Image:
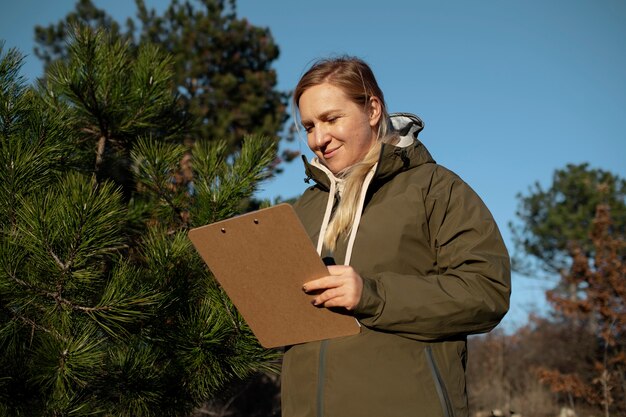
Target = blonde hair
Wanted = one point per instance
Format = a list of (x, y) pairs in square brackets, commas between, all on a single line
[(358, 83)]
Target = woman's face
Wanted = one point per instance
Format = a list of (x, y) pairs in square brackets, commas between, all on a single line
[(339, 131)]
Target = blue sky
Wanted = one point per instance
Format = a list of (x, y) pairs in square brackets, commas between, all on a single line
[(509, 90)]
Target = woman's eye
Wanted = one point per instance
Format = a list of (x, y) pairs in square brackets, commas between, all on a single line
[(308, 129)]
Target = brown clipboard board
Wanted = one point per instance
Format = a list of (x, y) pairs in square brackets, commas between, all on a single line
[(261, 259)]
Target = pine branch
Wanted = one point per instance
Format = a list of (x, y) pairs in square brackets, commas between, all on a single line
[(64, 266), (56, 296), (36, 326), (220, 188), (100, 153), (155, 164), (12, 88)]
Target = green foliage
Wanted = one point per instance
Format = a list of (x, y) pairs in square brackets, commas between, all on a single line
[(223, 186), (555, 219), (34, 146), (53, 39), (109, 111), (221, 63), (105, 307), (136, 380), (223, 67)]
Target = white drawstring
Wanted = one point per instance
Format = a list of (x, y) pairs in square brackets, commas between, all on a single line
[(329, 210), (357, 218), (334, 188)]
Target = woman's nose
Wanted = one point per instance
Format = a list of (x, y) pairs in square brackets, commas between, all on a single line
[(322, 136)]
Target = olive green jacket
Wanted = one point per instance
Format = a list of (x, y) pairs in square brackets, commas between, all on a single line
[(435, 269)]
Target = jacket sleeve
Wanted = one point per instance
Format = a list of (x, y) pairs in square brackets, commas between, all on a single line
[(469, 290)]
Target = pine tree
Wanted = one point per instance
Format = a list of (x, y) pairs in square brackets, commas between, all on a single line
[(222, 63), (552, 219), (105, 308)]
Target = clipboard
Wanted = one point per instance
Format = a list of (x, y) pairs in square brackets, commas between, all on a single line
[(262, 259)]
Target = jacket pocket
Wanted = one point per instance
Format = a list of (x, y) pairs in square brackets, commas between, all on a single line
[(444, 398)]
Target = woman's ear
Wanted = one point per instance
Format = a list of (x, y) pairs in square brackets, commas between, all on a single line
[(375, 110)]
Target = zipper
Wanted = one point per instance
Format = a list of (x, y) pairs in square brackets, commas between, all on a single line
[(321, 375), (446, 406)]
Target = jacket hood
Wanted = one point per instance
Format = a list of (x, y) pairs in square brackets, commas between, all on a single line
[(406, 154)]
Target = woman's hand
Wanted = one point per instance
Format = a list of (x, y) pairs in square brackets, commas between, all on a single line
[(342, 288)]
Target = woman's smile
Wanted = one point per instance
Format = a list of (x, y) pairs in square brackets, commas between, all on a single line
[(328, 153)]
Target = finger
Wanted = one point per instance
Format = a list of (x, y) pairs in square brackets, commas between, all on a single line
[(321, 284), (326, 296), (347, 294), (338, 302)]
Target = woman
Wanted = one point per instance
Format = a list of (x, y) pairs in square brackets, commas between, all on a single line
[(419, 259)]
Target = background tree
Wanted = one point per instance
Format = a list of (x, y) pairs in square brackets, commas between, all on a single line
[(601, 307), (105, 308), (574, 357), (222, 64), (52, 40), (552, 219)]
